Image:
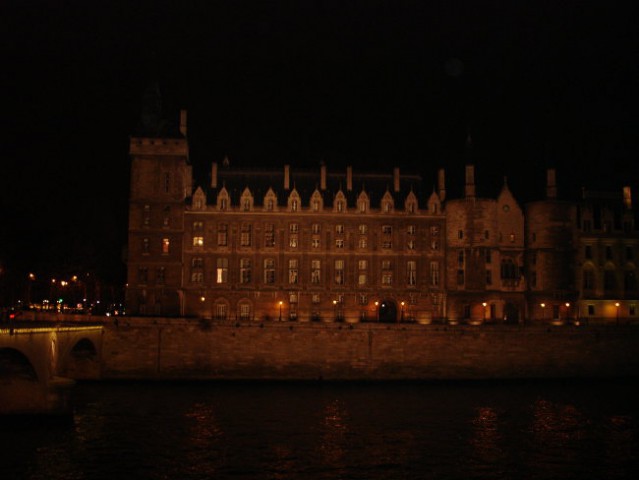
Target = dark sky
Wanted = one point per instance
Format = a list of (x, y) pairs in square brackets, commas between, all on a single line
[(368, 83)]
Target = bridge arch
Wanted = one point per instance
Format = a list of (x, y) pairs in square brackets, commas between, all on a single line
[(15, 365)]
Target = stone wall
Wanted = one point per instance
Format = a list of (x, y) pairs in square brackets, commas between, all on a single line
[(306, 351)]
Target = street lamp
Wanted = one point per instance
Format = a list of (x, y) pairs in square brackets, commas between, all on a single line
[(377, 311), (617, 306), (567, 312), (484, 304), (281, 310), (335, 309), (402, 316), (543, 306)]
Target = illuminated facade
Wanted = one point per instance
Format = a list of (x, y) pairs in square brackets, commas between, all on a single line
[(324, 245)]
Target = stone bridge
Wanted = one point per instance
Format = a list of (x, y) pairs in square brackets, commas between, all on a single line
[(38, 364)]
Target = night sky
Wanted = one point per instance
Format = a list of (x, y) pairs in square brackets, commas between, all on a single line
[(373, 84)]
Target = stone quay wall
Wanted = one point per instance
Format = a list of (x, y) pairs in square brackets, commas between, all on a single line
[(170, 349)]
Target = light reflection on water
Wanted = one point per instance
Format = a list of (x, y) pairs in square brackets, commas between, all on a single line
[(539, 430)]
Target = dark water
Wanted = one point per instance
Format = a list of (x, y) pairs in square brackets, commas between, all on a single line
[(533, 430)]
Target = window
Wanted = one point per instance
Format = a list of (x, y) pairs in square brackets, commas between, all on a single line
[(362, 278), (293, 227), (339, 243), (591, 310), (460, 277), (315, 243), (386, 264), (316, 228), (197, 277), (245, 236), (487, 234), (339, 272), (316, 271), (387, 278), (270, 204), (316, 205), (340, 206), (508, 269), (245, 270), (630, 281), (410, 244), (489, 256), (460, 258), (610, 282), (489, 277), (222, 270), (512, 238), (198, 226), (292, 241), (632, 309), (294, 205), (363, 229), (222, 235), (146, 217), (387, 229), (145, 245), (269, 271), (166, 220), (460, 234), (362, 242), (197, 262), (588, 279), (166, 244), (221, 311), (434, 274), (143, 274), (387, 244), (245, 311), (269, 235), (315, 298), (363, 299), (608, 252), (246, 204), (293, 271), (362, 264), (411, 272), (588, 252), (411, 230), (160, 275), (339, 228), (198, 241)]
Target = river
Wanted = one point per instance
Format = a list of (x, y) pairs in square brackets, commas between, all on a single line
[(457, 430)]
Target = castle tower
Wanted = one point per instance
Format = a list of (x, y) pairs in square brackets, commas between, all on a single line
[(161, 179)]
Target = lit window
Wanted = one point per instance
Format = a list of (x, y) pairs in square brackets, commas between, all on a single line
[(339, 272), (315, 243), (293, 227), (245, 311), (411, 244), (292, 271), (339, 243), (198, 241), (411, 230), (387, 278), (292, 241), (363, 229), (434, 274), (362, 279), (315, 298), (221, 311), (166, 243), (222, 270), (339, 228), (362, 242), (362, 264), (316, 229), (316, 272)]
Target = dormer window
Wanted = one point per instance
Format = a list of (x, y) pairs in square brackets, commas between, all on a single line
[(411, 203), (223, 200), (362, 203), (340, 202), (387, 203), (294, 201), (246, 201)]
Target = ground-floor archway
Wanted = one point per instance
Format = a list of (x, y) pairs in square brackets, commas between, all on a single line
[(511, 313), (388, 311)]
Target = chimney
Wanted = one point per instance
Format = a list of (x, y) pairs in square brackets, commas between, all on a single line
[(470, 181), (551, 184), (323, 177), (441, 184), (627, 198), (349, 178), (183, 122), (396, 179), (214, 175), (287, 177)]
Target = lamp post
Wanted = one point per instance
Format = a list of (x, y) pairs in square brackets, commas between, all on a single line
[(402, 314), (543, 306), (335, 310), (377, 311), (484, 304), (567, 312), (281, 310), (617, 313)]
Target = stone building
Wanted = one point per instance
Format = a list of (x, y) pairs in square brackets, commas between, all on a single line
[(258, 244), (328, 244), (606, 256)]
